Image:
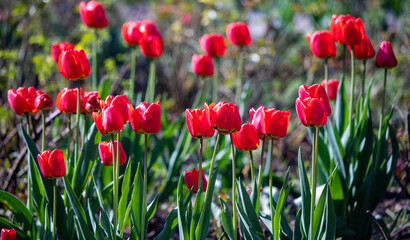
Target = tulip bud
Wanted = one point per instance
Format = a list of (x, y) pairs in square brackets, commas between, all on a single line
[(8, 234), (276, 123), (247, 138), (313, 106), (92, 104), (385, 56), (224, 117), (321, 44), (151, 40), (43, 102), (73, 64), (22, 100), (202, 65), (57, 48), (364, 50), (93, 14), (238, 34), (332, 89), (213, 45), (66, 100), (257, 119), (145, 118), (198, 123), (347, 29), (191, 180), (52, 163), (105, 149), (131, 33)]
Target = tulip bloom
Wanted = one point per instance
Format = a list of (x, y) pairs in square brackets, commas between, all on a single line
[(364, 50), (113, 116), (43, 101), (385, 56), (131, 33), (202, 65), (66, 100), (247, 138), (105, 149), (333, 86), (224, 117), (321, 44), (313, 105), (191, 180), (213, 45), (238, 34), (93, 14), (91, 103), (8, 234), (347, 29), (145, 118), (22, 100), (151, 40), (257, 119), (57, 48), (52, 163), (73, 64), (199, 126), (276, 123)]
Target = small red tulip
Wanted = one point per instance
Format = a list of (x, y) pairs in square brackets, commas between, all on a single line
[(131, 33), (198, 123), (43, 101), (247, 138), (213, 44), (238, 34), (145, 118), (105, 149), (73, 64), (257, 119), (313, 106), (347, 29), (113, 116), (276, 123), (93, 14), (202, 65), (22, 100), (332, 90), (321, 44), (57, 48), (224, 117), (66, 100), (385, 56), (8, 234), (52, 163), (92, 103), (364, 50), (191, 180), (151, 40)]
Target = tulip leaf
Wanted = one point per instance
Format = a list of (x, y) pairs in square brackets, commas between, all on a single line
[(297, 235), (247, 227), (104, 219), (319, 213), (182, 226), (19, 210), (96, 226), (330, 216), (136, 200), (226, 219), (306, 195), (122, 206), (341, 110), (283, 196), (8, 225), (152, 208), (198, 207)]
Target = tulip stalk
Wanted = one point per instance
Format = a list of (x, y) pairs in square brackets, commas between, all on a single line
[(363, 77), (149, 95), (201, 145), (270, 184), (351, 93), (260, 168), (54, 208), (29, 191), (216, 80), (132, 77), (314, 169), (383, 99), (43, 134), (144, 195), (233, 190), (213, 158), (326, 76), (94, 64), (115, 156), (77, 127), (252, 170), (83, 133)]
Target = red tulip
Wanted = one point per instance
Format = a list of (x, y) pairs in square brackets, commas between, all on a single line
[(66, 100), (238, 33), (22, 100), (113, 116), (347, 29), (151, 40), (385, 56), (73, 64), (202, 65), (213, 44), (131, 33), (57, 48), (257, 119), (199, 126), (8, 234), (332, 90), (120, 102), (146, 117), (313, 106), (105, 149), (43, 101), (93, 14), (321, 44), (364, 50), (92, 103), (191, 180), (148, 28), (276, 123), (247, 138), (224, 117), (52, 163)]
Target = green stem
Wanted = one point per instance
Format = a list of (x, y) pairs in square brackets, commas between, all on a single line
[(270, 186), (260, 167), (68, 140), (77, 127), (43, 134), (216, 81), (383, 100), (117, 174), (200, 163), (132, 78), (351, 120), (114, 186), (83, 133), (314, 168), (344, 61), (213, 158), (144, 195), (233, 190), (54, 209), (326, 76), (252, 170), (364, 77), (29, 191), (94, 62), (150, 94), (239, 80)]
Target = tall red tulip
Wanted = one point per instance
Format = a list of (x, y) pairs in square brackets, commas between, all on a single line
[(105, 150), (321, 44), (238, 34), (93, 14), (213, 45), (113, 116), (364, 50), (57, 48), (199, 126), (224, 117), (131, 33), (22, 100), (247, 138), (73, 64), (257, 119), (8, 234), (52, 163), (120, 102), (67, 99), (276, 123), (191, 180), (145, 118), (347, 29), (385, 56), (43, 101), (333, 86), (202, 65), (151, 40), (313, 106)]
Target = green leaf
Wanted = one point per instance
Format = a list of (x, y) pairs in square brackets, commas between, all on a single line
[(283, 196), (96, 226), (319, 213), (248, 230), (305, 190), (104, 219), (297, 235), (206, 212), (136, 202), (122, 206), (330, 226), (198, 207), (226, 219), (19, 210), (6, 224), (341, 110), (152, 208), (182, 226)]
